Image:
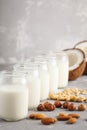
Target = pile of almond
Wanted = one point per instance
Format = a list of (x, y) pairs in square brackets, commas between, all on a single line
[(70, 118)]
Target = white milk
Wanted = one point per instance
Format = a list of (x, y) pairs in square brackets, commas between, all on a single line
[(44, 77), (63, 65), (33, 82), (13, 102), (53, 74), (34, 89)]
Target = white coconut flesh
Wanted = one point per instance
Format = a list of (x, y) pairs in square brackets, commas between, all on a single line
[(83, 47), (75, 58)]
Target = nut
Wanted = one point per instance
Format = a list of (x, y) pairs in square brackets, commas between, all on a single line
[(57, 103), (41, 107), (38, 116), (71, 107), (65, 104), (72, 120), (80, 99), (63, 117), (46, 104), (85, 100), (82, 107), (48, 120), (62, 114), (74, 115), (73, 98), (50, 107)]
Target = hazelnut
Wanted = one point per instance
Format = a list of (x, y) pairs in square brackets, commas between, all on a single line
[(82, 107), (57, 103), (65, 104), (41, 107), (71, 107), (50, 107), (46, 104)]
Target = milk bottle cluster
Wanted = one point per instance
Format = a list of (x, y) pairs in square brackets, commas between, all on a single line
[(31, 82)]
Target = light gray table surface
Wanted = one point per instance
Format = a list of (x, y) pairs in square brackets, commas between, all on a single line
[(59, 125)]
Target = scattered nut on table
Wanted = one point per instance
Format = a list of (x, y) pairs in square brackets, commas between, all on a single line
[(71, 107), (48, 120), (72, 120), (63, 117), (65, 104), (82, 107), (50, 107), (74, 115), (57, 104), (37, 116), (41, 107)]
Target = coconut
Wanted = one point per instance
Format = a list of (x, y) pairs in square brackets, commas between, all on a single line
[(83, 46), (77, 62)]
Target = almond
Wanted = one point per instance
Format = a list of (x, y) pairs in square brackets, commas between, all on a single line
[(38, 116), (48, 120), (72, 120), (74, 115), (63, 118)]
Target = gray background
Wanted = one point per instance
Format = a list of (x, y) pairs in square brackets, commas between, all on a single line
[(28, 26)]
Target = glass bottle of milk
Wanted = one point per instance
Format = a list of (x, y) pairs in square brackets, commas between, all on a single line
[(33, 82), (44, 77), (13, 97), (34, 86), (63, 65), (53, 73)]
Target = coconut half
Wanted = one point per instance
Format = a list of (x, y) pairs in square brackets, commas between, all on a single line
[(83, 46), (77, 62)]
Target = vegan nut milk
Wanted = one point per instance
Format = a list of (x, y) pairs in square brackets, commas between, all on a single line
[(13, 101), (63, 67), (44, 77)]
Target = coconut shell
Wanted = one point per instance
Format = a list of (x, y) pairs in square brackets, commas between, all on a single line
[(76, 73), (85, 71)]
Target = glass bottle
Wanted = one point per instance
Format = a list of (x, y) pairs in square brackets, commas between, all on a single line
[(44, 77), (13, 97), (63, 65)]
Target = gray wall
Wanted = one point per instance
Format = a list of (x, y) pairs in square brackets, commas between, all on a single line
[(27, 26)]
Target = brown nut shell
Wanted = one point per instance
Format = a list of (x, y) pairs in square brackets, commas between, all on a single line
[(82, 107), (72, 121), (48, 120)]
